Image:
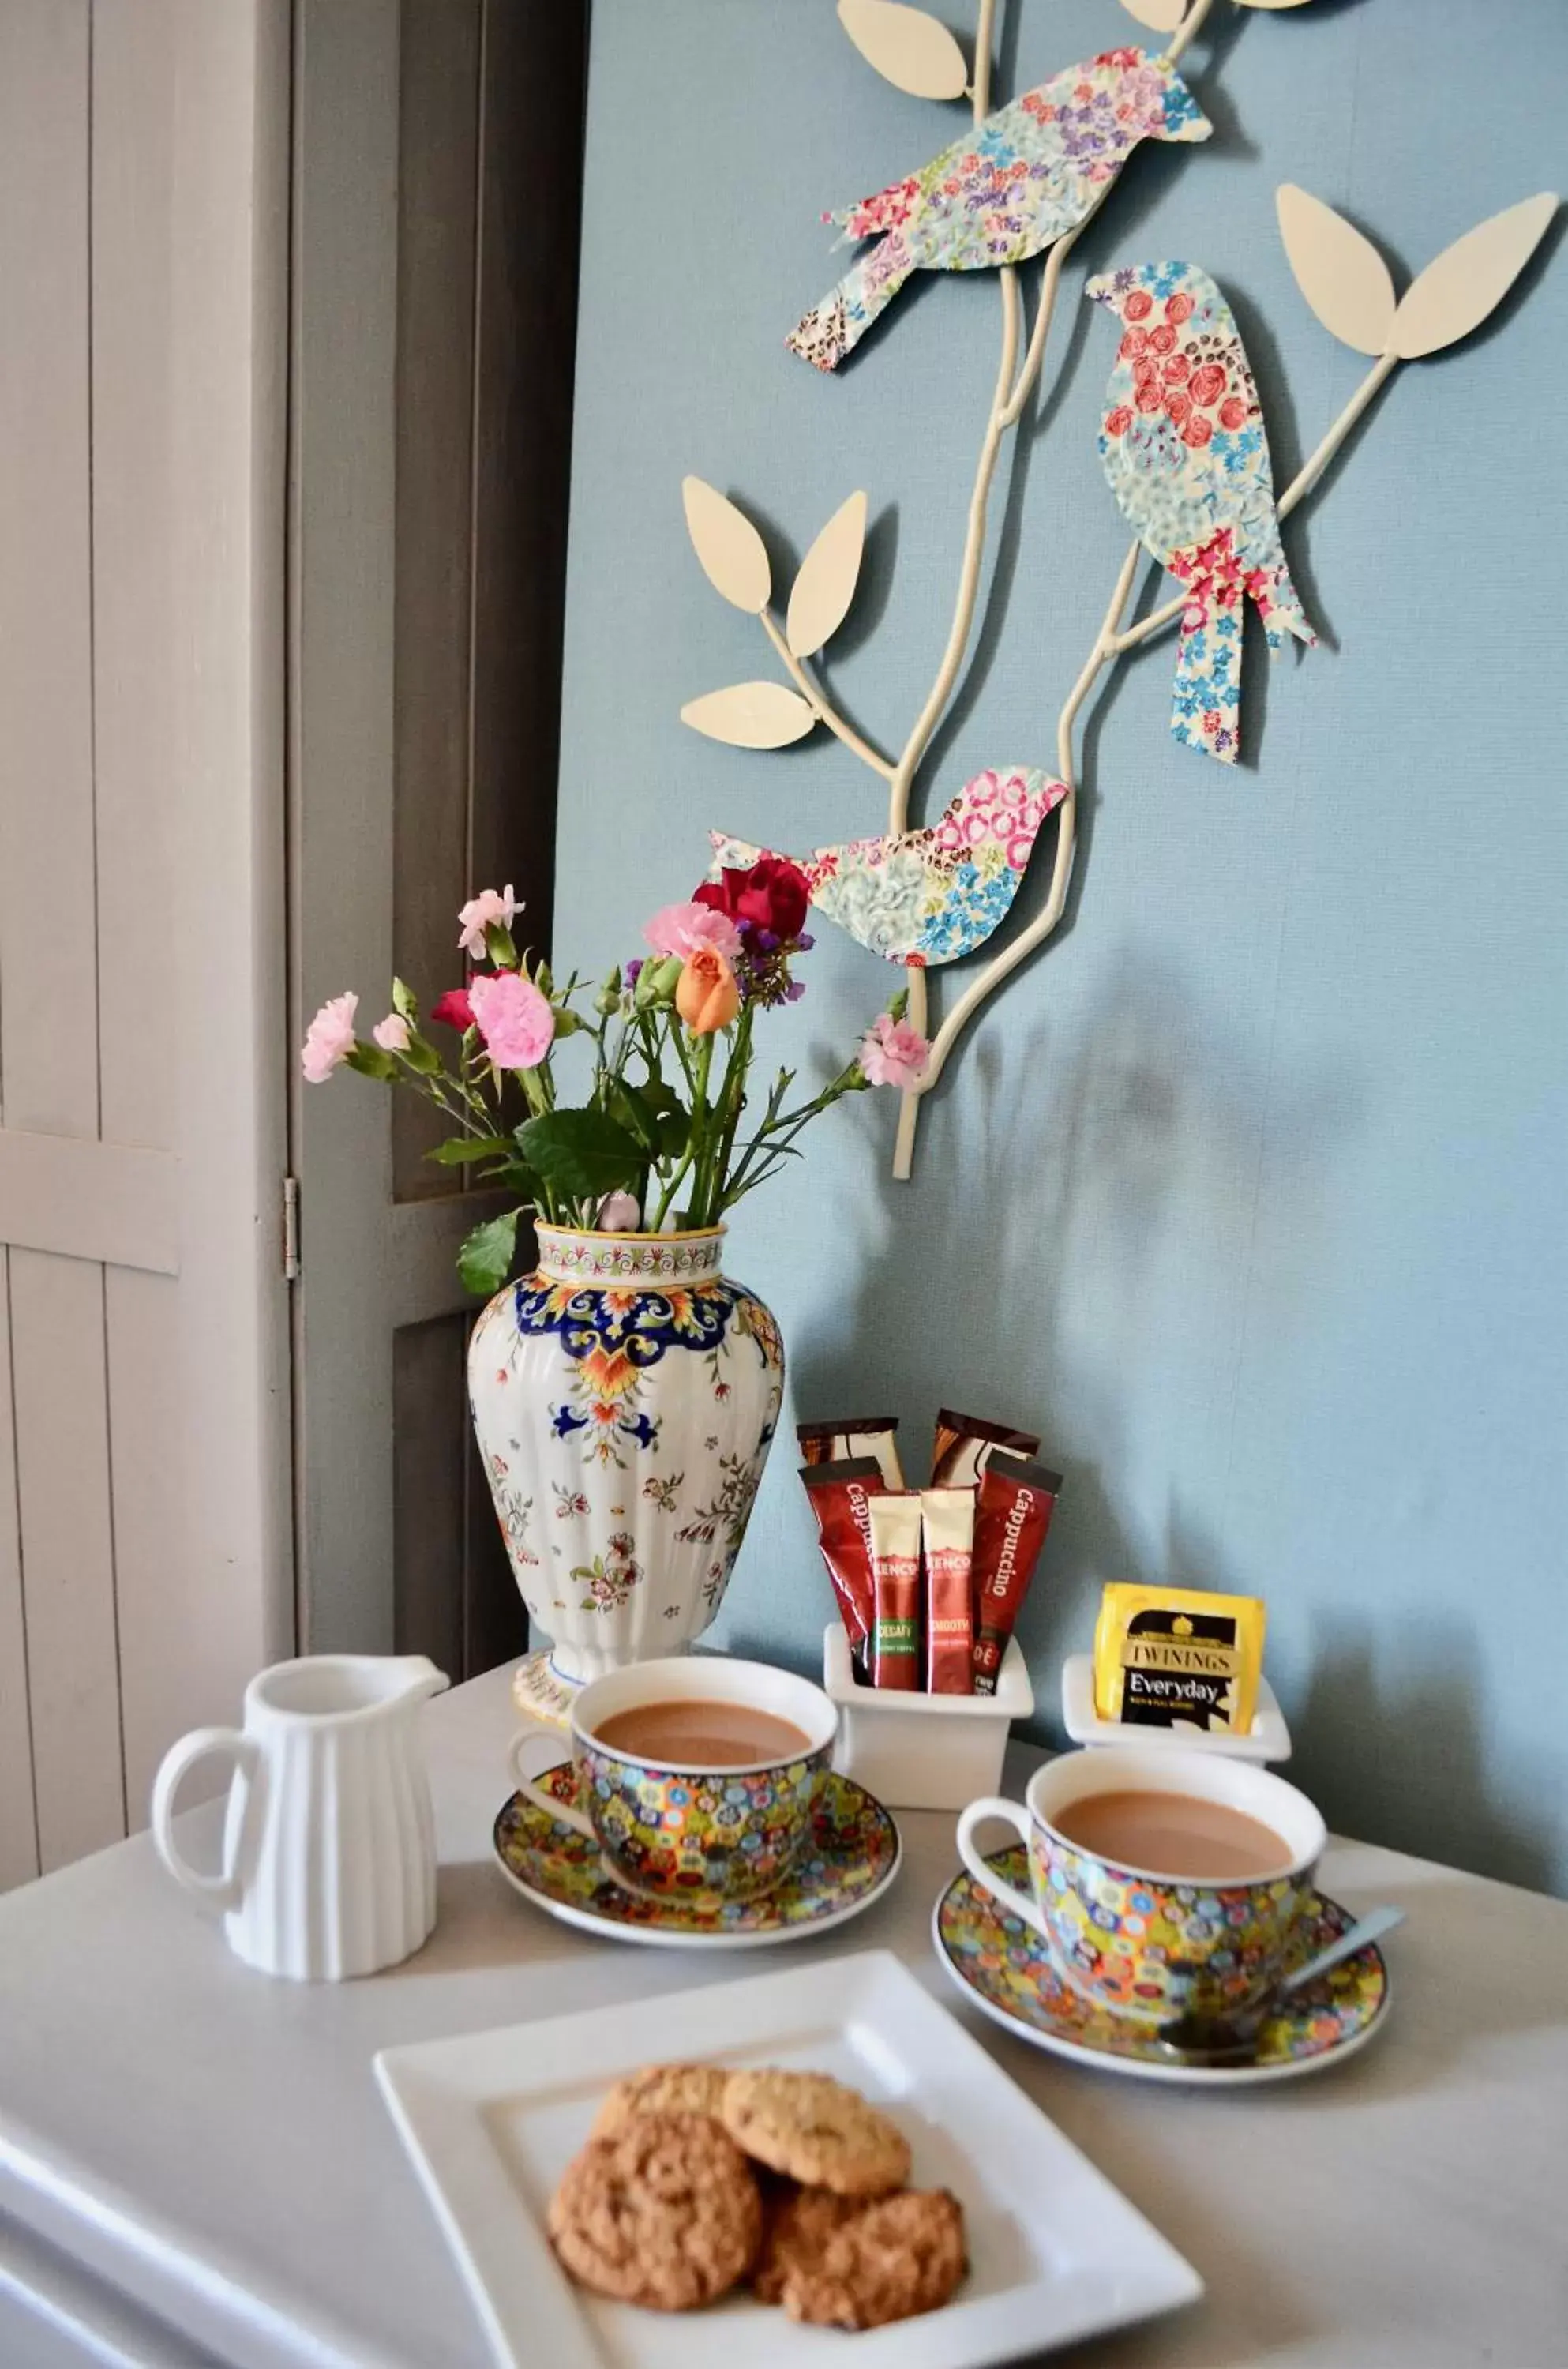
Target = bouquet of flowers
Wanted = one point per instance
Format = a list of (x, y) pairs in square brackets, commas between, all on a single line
[(666, 1136)]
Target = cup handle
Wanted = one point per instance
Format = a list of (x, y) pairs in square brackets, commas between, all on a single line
[(1017, 1816), (222, 1891), (565, 1812)]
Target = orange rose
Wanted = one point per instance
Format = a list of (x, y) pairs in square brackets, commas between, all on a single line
[(705, 994)]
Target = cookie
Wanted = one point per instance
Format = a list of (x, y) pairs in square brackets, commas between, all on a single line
[(882, 2261), (797, 2224), (660, 2089), (820, 2132), (663, 2213)]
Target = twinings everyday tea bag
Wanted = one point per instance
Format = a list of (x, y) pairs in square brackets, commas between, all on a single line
[(853, 1435), (965, 1444), (947, 1526), (1013, 1512), (1176, 1656), (895, 1575), (839, 1495)]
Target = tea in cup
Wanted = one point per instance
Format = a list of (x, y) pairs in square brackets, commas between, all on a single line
[(696, 1778), (1166, 1884)]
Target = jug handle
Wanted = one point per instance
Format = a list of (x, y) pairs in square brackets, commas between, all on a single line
[(219, 1891)]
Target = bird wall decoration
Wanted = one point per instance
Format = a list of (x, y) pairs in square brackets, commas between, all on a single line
[(1182, 442), (1186, 456), (1003, 192), (930, 895)]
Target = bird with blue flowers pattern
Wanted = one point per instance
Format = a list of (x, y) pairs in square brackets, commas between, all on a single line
[(1005, 191), (1186, 455)]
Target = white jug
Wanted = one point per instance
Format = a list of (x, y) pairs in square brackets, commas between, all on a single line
[(329, 1848)]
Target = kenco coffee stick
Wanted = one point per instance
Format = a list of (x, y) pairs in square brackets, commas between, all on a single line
[(1013, 1512), (947, 1523), (839, 1495), (848, 1436), (965, 1444), (895, 1575)]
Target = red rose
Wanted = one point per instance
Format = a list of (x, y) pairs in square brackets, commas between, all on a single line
[(1175, 370), (1119, 421), (1232, 412), (1150, 395), (1162, 340), (773, 895), (1178, 309), (1208, 382), (454, 1009), (1133, 344), (1138, 305), (1197, 431), (1178, 403)]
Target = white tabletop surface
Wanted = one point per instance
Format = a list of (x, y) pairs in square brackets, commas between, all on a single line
[(213, 2142)]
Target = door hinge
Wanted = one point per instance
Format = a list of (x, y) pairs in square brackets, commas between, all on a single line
[(291, 1229)]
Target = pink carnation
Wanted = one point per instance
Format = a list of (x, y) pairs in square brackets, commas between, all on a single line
[(329, 1036), (391, 1034), (491, 907), (892, 1053), (514, 1019), (681, 929)]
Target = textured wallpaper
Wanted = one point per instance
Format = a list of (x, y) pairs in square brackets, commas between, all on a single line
[(1247, 1191)]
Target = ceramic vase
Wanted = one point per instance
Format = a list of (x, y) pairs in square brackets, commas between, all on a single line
[(624, 1395)]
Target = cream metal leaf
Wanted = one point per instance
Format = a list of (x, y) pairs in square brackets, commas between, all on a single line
[(734, 558), (750, 715), (820, 598), (1341, 274), (1159, 16), (1270, 3), (1470, 279), (913, 52)]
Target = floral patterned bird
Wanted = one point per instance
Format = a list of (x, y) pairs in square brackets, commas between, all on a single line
[(1007, 189), (1186, 455), (927, 896)]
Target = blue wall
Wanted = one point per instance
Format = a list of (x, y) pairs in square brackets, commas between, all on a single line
[(1248, 1192)]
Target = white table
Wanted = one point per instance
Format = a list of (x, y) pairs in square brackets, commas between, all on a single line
[(195, 2164)]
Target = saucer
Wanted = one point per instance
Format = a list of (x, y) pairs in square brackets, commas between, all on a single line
[(851, 1860), (1005, 1969)]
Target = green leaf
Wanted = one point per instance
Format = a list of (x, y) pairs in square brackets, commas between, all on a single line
[(403, 1002), (371, 1061), (422, 1058), (579, 1152), (460, 1148), (899, 1004), (485, 1259)]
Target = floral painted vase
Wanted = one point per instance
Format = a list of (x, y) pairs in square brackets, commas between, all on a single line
[(624, 1395)]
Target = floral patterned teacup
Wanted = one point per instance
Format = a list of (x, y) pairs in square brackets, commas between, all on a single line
[(1136, 1942), (673, 1830)]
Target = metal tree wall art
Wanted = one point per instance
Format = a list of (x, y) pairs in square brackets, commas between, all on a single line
[(1182, 442)]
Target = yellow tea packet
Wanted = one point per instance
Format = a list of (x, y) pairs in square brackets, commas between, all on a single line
[(1177, 1657)]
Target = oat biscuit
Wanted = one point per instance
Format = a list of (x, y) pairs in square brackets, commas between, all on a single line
[(660, 2089), (797, 2224), (820, 2132), (884, 2262), (664, 2212)]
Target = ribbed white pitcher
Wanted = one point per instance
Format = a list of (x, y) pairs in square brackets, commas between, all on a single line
[(329, 1850)]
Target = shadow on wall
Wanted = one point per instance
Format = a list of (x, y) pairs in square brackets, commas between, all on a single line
[(1358, 1699)]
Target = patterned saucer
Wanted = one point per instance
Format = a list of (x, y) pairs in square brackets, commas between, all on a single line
[(1005, 1969), (851, 1860)]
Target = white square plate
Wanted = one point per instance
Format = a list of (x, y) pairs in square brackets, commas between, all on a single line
[(492, 2120)]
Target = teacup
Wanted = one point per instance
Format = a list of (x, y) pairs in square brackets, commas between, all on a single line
[(1134, 1940), (671, 1830)]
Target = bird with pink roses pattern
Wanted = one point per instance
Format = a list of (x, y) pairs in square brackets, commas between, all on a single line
[(1184, 453), (1004, 192)]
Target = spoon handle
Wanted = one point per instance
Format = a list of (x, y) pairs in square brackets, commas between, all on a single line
[(1370, 1928)]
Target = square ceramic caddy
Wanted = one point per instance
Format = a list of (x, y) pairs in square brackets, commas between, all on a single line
[(492, 2119)]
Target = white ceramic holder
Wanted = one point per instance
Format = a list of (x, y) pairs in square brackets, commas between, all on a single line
[(922, 1752), (1267, 1739)]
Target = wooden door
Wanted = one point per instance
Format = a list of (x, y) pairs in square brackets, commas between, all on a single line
[(145, 1546), (438, 152)]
